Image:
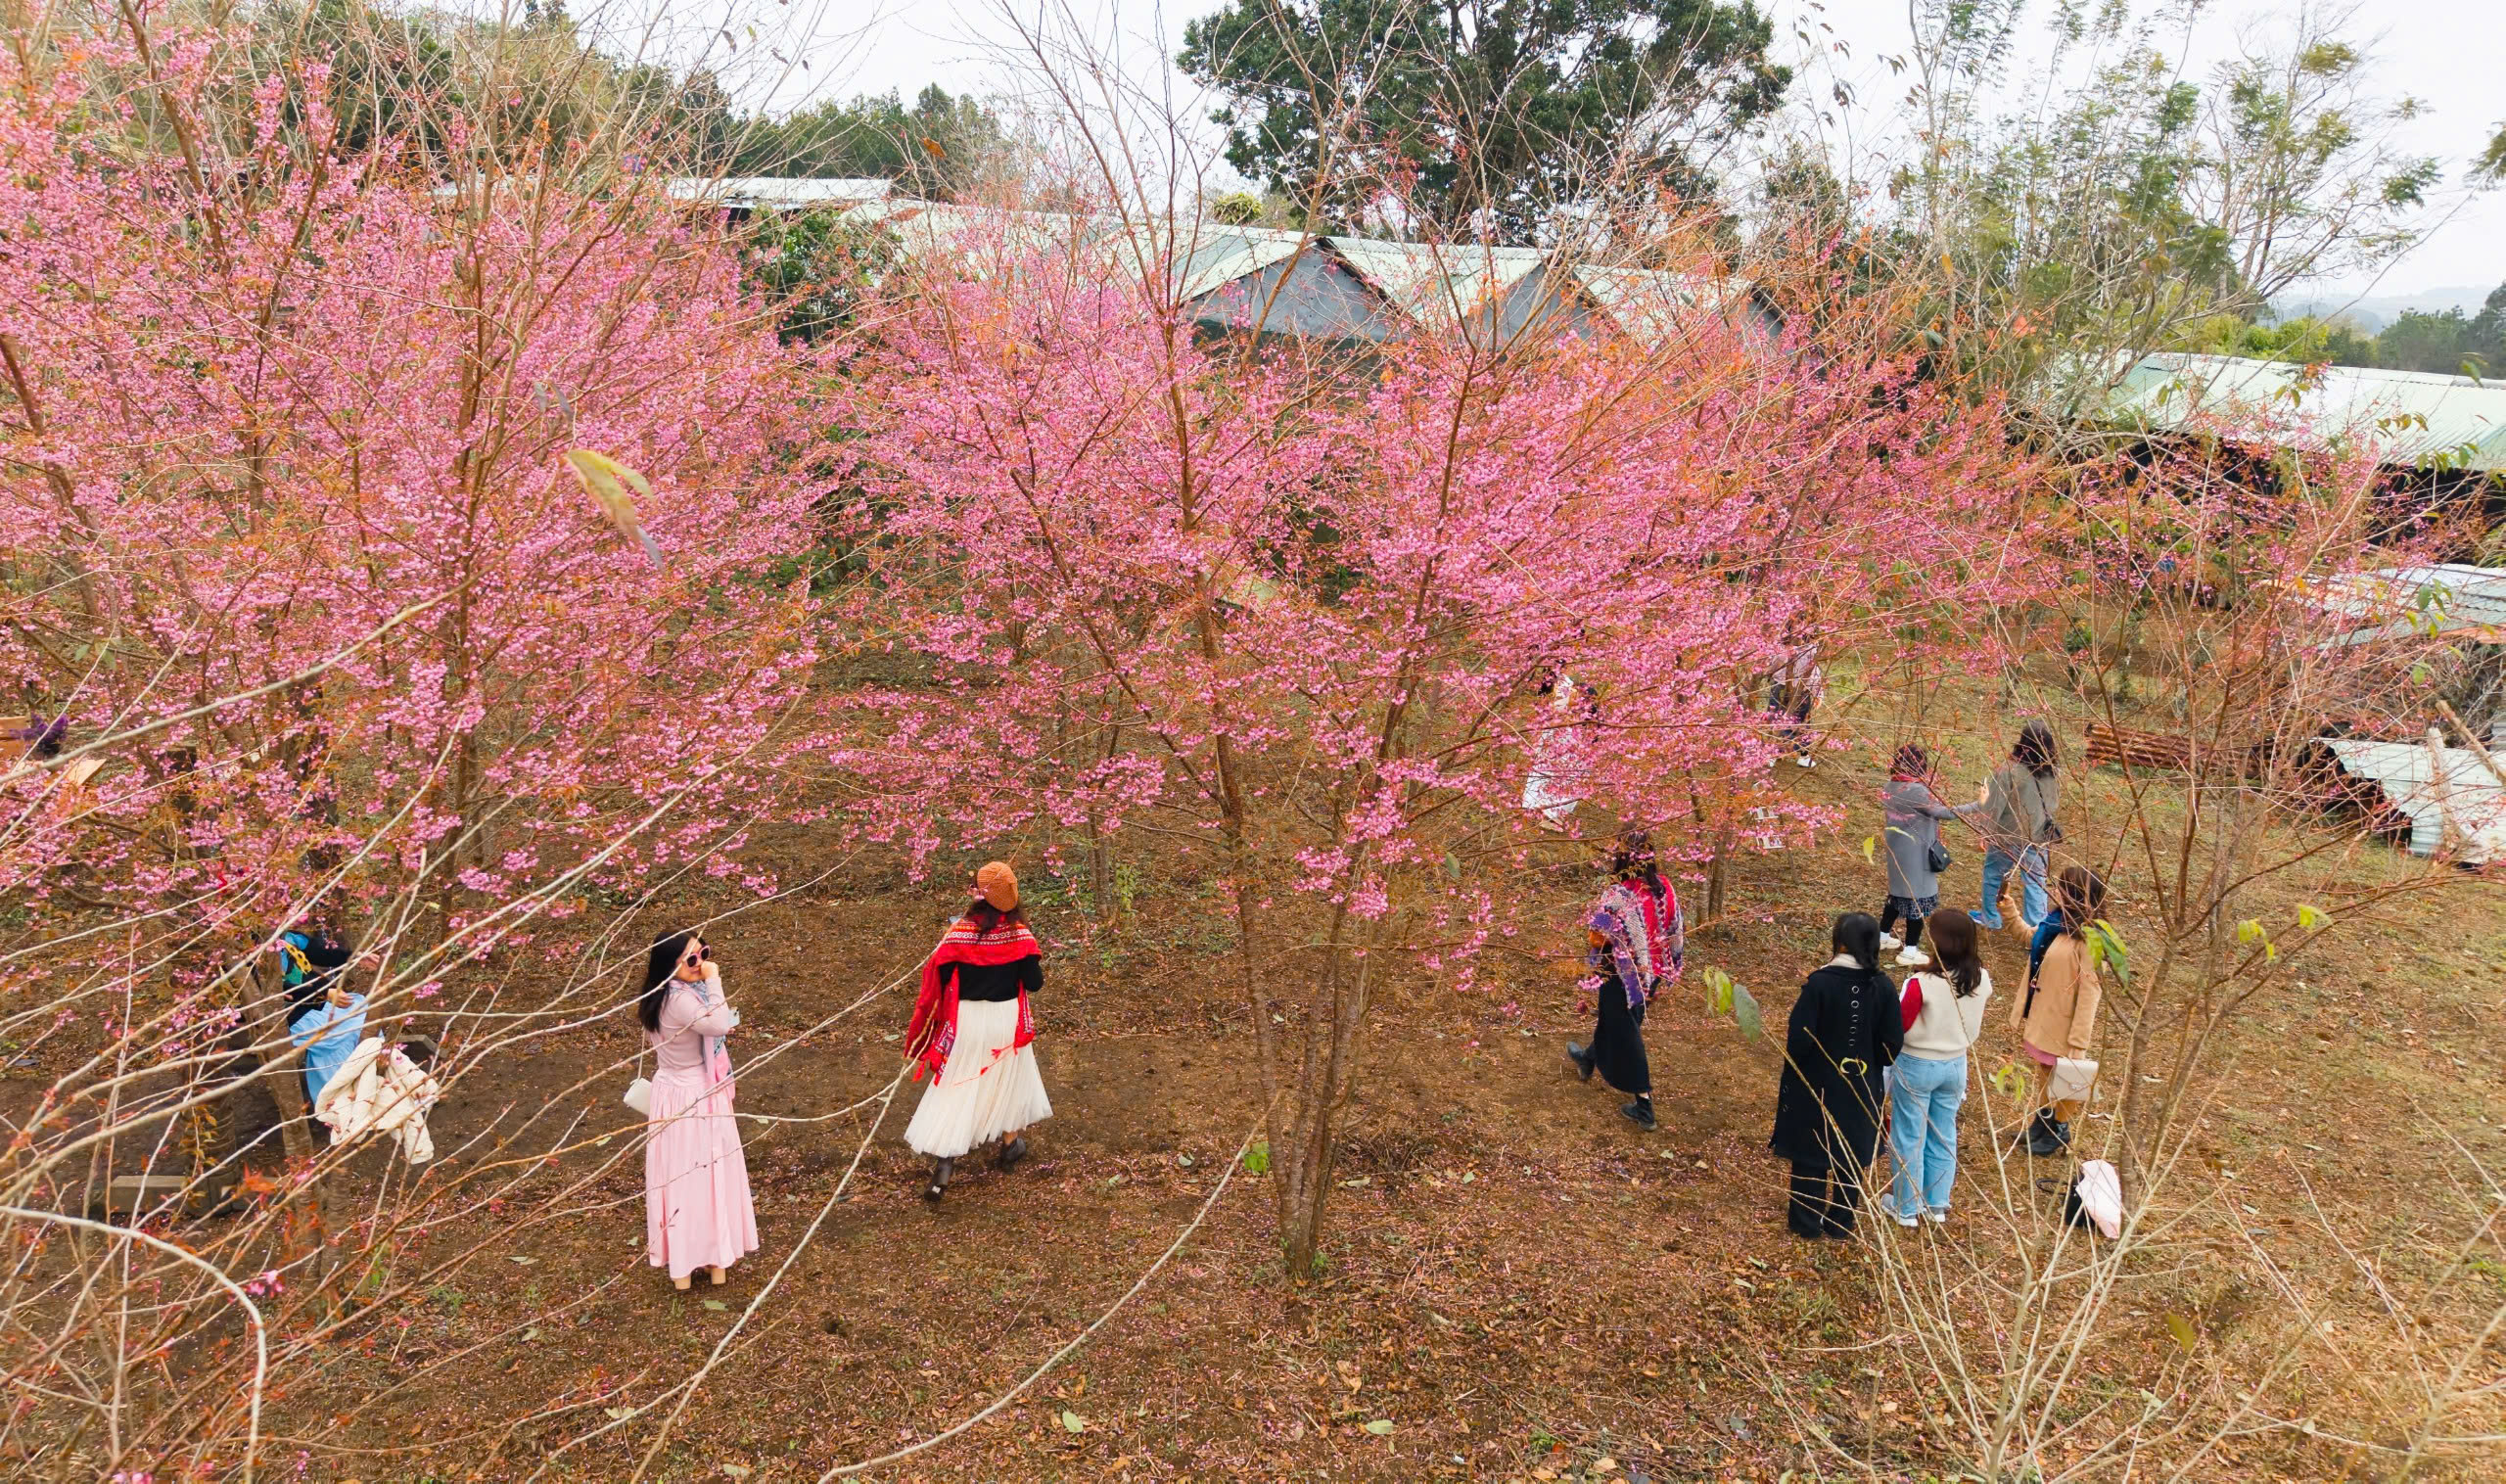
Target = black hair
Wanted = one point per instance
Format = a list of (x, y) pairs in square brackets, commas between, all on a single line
[(1954, 938), (661, 966), (2034, 750), (986, 917), (1857, 937), (1634, 859), (1911, 761)]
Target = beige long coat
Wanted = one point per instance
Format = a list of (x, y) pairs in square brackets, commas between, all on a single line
[(2060, 1017)]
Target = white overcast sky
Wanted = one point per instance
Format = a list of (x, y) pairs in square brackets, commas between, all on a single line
[(2450, 54)]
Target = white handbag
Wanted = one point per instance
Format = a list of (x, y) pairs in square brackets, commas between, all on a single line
[(2073, 1077), (639, 1092)]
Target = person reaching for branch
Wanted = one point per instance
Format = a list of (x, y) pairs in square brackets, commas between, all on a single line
[(1910, 820)]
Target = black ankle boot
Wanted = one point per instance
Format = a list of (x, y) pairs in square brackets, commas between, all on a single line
[(1010, 1154), (1641, 1112), (2044, 1136), (1582, 1059), (939, 1178)]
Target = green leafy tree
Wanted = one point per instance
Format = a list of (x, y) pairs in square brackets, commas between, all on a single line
[(816, 266), (2418, 341), (940, 147), (1482, 116), (2490, 165), (2127, 205)]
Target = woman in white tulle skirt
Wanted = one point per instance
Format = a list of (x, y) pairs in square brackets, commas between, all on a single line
[(973, 1030)]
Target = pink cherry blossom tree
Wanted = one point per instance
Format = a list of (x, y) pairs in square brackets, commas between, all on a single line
[(284, 426), (1296, 611)]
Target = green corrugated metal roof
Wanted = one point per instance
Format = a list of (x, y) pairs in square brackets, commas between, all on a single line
[(2409, 418)]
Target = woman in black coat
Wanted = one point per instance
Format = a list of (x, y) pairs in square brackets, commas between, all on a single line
[(1846, 1027)]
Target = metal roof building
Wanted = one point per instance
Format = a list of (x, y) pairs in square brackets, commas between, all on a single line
[(2409, 419), (1268, 281), (2448, 598), (2432, 786), (777, 193)]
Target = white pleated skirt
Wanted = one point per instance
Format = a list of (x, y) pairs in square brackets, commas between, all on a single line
[(986, 1091)]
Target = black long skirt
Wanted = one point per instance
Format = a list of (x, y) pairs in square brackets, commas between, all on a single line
[(1618, 1041)]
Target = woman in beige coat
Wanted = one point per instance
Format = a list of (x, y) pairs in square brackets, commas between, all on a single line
[(2057, 1017)]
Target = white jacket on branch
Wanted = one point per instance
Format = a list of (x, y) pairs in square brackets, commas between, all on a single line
[(378, 1089)]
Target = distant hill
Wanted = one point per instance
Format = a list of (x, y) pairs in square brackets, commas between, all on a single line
[(2373, 312)]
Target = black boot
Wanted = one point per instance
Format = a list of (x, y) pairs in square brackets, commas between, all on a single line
[(1582, 1059), (939, 1178), (2062, 1136), (2043, 1139), (1641, 1112), (1012, 1151)]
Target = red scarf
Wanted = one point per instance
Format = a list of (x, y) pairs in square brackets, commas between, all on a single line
[(933, 1031)]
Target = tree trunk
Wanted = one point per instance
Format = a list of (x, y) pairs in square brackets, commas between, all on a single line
[(1320, 1095)]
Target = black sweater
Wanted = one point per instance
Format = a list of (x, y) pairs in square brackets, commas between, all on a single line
[(976, 981)]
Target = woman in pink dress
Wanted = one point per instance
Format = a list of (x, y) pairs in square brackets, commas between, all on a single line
[(697, 1209)]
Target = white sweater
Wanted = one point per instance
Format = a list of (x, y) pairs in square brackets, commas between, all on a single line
[(1946, 1025)]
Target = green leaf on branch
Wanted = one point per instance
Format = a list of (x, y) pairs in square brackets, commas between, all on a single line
[(2008, 1080), (1257, 1159), (2250, 930), (1718, 993), (2312, 919), (1871, 850), (1744, 1012), (2106, 946)]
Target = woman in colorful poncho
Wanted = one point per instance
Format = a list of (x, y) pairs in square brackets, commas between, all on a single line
[(973, 1030), (1633, 948)]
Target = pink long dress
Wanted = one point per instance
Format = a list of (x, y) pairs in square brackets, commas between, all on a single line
[(697, 1209)]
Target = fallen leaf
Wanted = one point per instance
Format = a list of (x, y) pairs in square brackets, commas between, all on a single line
[(1072, 1421), (619, 1414), (2182, 1328), (1381, 1427), (524, 1261), (717, 1306), (1603, 1464), (737, 1470)]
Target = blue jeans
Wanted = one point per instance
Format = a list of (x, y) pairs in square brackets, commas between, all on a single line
[(2030, 861), (1922, 1130)]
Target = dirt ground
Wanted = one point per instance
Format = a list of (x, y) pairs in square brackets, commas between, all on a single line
[(1520, 1285)]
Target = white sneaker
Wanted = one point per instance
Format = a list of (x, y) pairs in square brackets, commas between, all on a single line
[(1913, 958), (1803, 760), (1889, 941), (1902, 1220), (1936, 1218)]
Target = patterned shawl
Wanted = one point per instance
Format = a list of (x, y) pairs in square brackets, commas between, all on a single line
[(933, 1031), (1644, 941)]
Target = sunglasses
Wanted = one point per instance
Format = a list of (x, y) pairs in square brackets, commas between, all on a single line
[(701, 954)]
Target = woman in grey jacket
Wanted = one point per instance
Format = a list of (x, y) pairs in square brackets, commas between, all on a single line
[(2020, 802), (1910, 825)]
